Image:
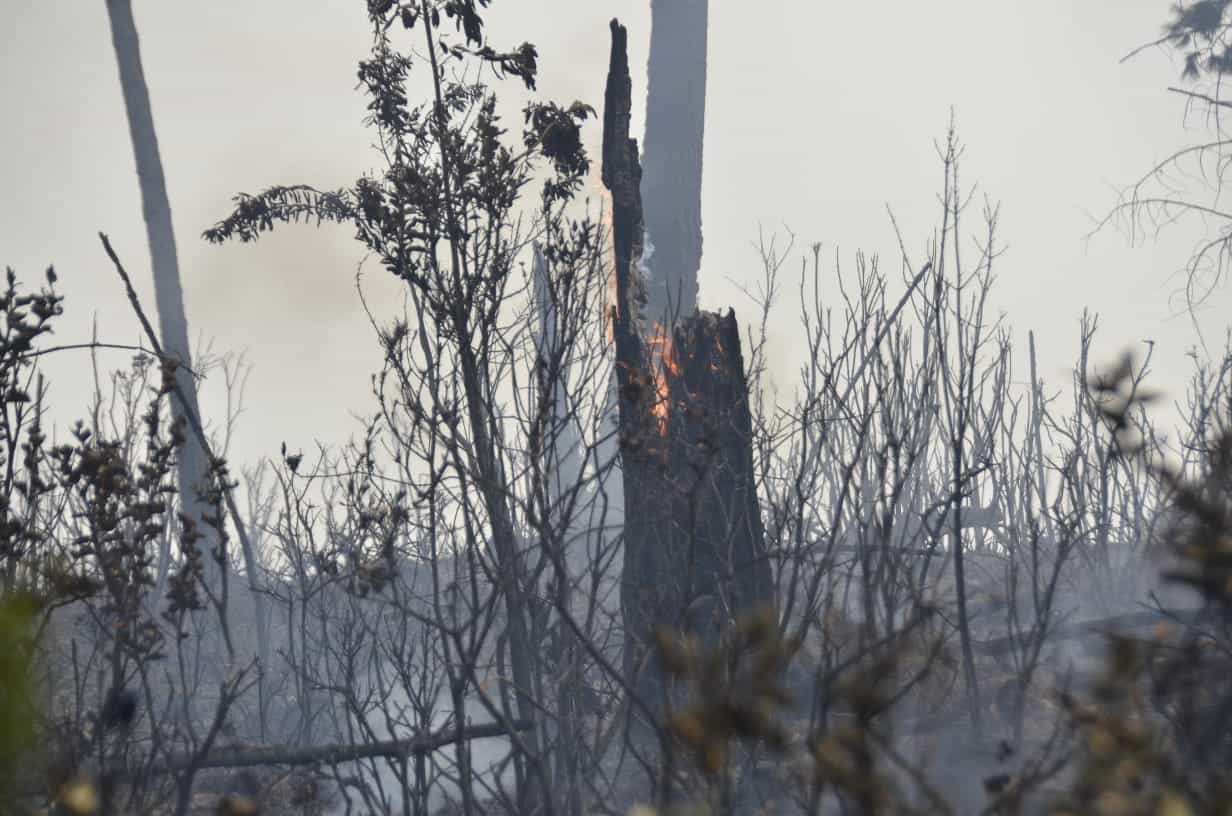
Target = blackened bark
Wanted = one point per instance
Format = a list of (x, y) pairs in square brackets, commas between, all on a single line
[(694, 543), (622, 178), (672, 181), (693, 534), (718, 538)]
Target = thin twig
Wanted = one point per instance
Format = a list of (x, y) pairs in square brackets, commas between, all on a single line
[(1210, 100), (1145, 46), (94, 344)]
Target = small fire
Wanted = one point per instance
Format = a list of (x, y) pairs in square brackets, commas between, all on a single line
[(661, 362), (663, 365)]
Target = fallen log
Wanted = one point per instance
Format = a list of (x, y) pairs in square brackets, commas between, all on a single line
[(253, 756), (1075, 631), (297, 755)]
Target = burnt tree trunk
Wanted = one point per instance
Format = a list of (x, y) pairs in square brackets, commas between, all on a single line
[(693, 534)]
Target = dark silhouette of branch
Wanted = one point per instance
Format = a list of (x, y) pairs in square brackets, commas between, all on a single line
[(1075, 631), (330, 754), (1201, 97), (94, 344), (249, 757)]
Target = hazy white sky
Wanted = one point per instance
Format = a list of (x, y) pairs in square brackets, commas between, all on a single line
[(819, 114)]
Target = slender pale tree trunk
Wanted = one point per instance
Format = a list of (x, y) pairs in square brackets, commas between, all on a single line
[(155, 206), (562, 445), (168, 293), (672, 160)]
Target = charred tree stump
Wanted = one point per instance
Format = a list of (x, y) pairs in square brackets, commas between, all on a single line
[(693, 535)]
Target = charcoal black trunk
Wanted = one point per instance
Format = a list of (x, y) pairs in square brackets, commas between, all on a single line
[(693, 534)]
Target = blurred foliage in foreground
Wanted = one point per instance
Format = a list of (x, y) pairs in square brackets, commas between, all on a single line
[(17, 713)]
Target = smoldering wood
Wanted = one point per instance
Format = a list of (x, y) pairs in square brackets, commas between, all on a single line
[(714, 538), (694, 540), (621, 175)]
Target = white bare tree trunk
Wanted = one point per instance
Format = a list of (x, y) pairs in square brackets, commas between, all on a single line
[(672, 161), (155, 206), (169, 294)]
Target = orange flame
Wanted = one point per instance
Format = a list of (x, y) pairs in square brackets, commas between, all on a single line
[(663, 366), (662, 363)]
